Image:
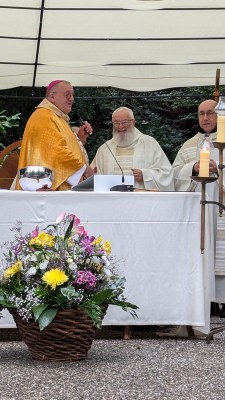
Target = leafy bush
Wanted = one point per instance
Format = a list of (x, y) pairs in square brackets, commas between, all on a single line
[(7, 123), (170, 116)]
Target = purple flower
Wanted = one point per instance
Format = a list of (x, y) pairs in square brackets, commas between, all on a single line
[(86, 278), (86, 244)]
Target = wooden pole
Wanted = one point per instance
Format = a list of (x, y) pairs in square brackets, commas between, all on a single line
[(216, 93)]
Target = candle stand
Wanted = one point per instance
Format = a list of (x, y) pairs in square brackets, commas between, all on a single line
[(221, 166), (208, 179), (204, 181)]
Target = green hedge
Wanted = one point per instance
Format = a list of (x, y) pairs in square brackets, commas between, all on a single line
[(170, 116)]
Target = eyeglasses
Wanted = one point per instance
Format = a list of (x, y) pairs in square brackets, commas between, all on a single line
[(123, 123), (208, 114), (67, 95)]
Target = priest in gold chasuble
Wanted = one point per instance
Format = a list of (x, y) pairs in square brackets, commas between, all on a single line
[(48, 140)]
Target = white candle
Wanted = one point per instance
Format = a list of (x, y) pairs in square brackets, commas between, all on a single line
[(204, 163), (221, 128)]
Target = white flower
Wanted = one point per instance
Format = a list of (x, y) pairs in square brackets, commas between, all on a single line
[(73, 267), (106, 261), (108, 272), (31, 257), (31, 271), (69, 260), (43, 265), (95, 259)]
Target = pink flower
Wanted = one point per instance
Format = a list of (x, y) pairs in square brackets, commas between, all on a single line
[(60, 218), (86, 278), (35, 232), (78, 229)]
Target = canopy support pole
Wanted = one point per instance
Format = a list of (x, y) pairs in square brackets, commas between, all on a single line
[(38, 46)]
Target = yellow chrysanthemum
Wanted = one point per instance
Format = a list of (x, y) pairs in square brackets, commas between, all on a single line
[(11, 271), (43, 239), (107, 247), (97, 241), (55, 277)]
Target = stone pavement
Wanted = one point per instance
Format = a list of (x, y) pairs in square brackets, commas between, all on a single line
[(142, 368)]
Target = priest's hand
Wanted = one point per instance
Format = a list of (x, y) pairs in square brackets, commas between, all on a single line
[(138, 176), (84, 132), (88, 172), (212, 167), (44, 188)]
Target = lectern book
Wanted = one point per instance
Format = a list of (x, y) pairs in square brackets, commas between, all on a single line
[(86, 185)]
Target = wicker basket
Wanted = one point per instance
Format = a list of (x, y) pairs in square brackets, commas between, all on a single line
[(67, 338)]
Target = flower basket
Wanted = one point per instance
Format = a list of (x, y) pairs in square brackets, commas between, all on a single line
[(57, 284), (67, 338)]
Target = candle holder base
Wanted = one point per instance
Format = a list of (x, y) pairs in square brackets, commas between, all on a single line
[(219, 145), (204, 179), (213, 331)]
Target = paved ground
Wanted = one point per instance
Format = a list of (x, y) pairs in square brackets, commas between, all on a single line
[(143, 368)]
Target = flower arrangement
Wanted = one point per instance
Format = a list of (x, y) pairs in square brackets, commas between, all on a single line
[(60, 267)]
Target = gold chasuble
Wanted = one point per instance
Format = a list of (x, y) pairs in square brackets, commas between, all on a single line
[(48, 141)]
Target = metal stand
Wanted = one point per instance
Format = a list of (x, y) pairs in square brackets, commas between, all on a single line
[(204, 181), (221, 166)]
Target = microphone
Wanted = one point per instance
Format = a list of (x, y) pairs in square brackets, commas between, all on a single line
[(116, 161), (123, 187), (79, 122)]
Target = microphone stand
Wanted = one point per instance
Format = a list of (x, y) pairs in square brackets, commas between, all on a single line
[(123, 187)]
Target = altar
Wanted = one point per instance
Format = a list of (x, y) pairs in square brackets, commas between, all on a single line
[(155, 238)]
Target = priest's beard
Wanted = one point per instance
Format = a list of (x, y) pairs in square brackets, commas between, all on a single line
[(125, 139)]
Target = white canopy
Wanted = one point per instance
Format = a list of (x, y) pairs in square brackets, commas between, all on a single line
[(141, 45)]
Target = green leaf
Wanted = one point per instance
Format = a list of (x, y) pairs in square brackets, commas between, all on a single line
[(126, 306), (102, 297), (69, 230), (50, 226), (2, 298), (47, 317), (94, 311), (5, 303), (38, 310), (69, 292)]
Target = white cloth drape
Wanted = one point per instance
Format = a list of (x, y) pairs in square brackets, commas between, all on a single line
[(155, 237)]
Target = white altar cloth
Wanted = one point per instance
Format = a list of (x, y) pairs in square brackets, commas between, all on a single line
[(156, 238)]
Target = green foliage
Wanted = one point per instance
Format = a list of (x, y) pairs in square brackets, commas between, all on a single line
[(170, 115), (94, 311), (7, 123), (44, 317)]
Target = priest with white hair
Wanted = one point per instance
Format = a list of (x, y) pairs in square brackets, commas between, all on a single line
[(135, 153)]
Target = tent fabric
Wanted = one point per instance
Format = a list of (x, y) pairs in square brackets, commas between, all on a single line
[(140, 45)]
